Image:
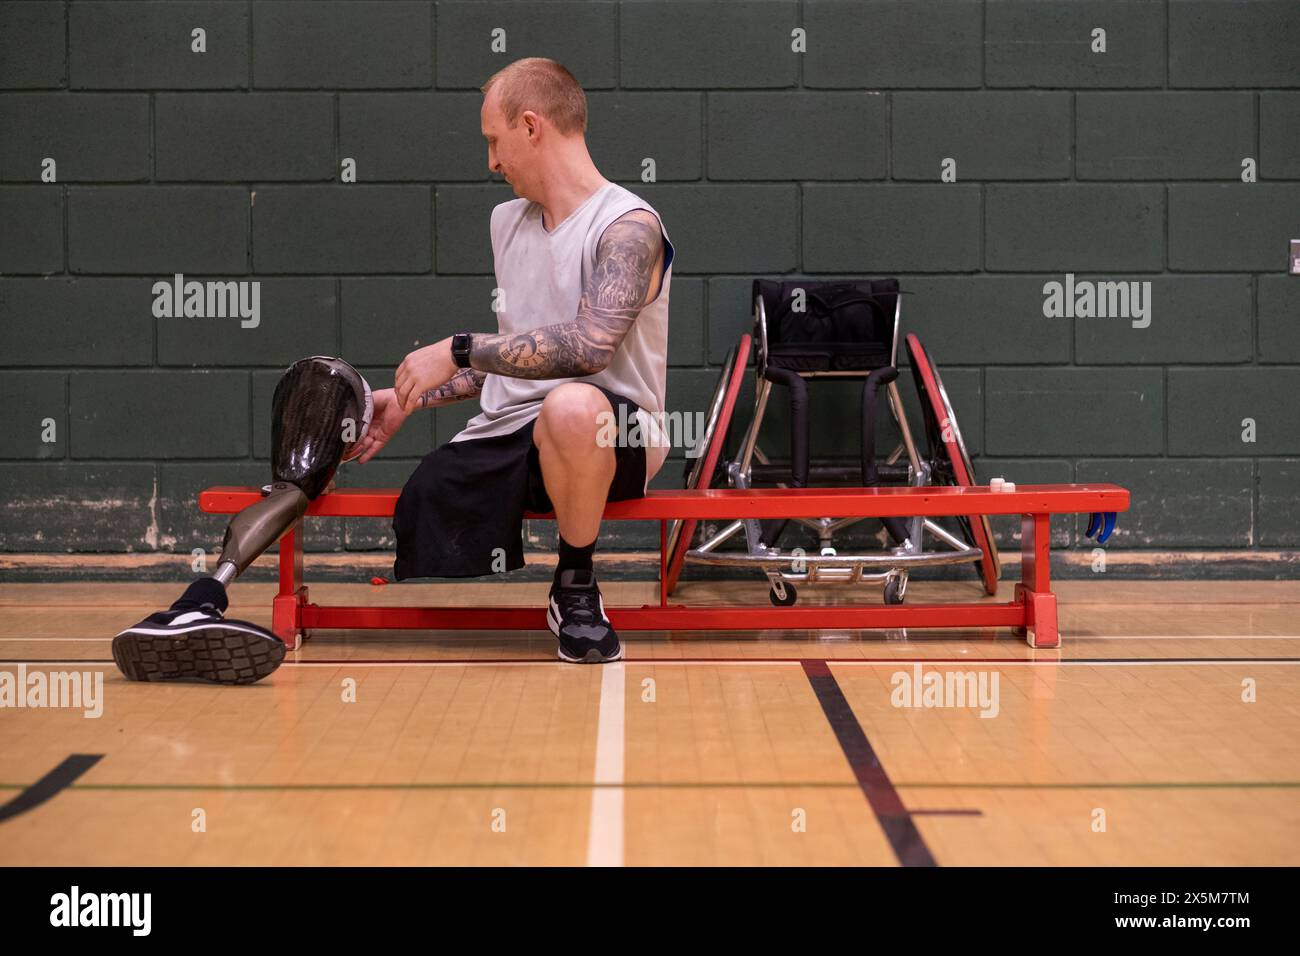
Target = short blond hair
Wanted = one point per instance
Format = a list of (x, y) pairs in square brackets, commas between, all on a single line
[(544, 86)]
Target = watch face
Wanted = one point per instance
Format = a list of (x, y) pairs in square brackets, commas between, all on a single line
[(460, 348)]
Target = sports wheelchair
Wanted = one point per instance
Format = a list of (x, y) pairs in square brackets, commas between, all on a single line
[(807, 331)]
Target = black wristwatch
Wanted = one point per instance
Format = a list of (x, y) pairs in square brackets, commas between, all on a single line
[(460, 349)]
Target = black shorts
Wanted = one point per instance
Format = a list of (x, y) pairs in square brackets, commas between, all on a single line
[(461, 512)]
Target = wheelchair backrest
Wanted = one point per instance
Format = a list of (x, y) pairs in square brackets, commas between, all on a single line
[(829, 323)]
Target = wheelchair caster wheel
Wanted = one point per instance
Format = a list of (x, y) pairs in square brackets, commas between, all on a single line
[(895, 589), (791, 595)]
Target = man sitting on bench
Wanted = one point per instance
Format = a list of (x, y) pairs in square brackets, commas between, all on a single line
[(583, 268)]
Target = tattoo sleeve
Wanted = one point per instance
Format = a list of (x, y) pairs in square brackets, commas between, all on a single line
[(614, 294), (466, 383)]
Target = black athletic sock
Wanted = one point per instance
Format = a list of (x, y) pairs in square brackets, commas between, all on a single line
[(574, 559), (201, 592)]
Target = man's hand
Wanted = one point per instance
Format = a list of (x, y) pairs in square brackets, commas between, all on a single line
[(422, 370), (384, 423)]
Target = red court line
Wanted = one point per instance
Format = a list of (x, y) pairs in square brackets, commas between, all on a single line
[(1073, 602), (734, 660)]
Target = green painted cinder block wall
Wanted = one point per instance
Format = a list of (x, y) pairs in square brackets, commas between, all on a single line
[(1122, 165)]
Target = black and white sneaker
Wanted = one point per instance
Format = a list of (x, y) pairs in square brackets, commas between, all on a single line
[(197, 645), (576, 616)]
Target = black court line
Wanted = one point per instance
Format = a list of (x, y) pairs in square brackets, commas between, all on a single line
[(900, 829), (49, 785)]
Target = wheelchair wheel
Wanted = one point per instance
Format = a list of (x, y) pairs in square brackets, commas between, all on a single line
[(895, 589), (787, 600), (721, 408), (949, 458)]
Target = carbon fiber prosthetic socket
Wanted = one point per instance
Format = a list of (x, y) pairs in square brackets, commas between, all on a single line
[(321, 411)]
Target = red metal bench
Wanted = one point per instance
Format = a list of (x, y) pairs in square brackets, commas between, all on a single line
[(1032, 613)]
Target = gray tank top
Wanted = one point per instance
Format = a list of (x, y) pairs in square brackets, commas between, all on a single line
[(540, 277)]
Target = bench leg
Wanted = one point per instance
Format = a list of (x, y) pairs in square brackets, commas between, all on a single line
[(1035, 588), (663, 562), (1040, 617), (286, 610)]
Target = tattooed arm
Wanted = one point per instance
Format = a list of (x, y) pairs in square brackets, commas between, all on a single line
[(466, 383), (628, 259)]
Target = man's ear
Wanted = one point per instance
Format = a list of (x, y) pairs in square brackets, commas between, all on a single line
[(531, 122)]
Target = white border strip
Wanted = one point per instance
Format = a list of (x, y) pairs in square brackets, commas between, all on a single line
[(605, 836)]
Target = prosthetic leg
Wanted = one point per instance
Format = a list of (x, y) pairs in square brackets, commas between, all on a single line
[(321, 411)]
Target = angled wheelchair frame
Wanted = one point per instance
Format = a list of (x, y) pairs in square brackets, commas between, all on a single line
[(945, 462)]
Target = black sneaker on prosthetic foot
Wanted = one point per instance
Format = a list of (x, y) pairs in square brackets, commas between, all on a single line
[(576, 616), (193, 641)]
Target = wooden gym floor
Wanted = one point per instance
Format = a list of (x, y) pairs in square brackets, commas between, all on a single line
[(1132, 744)]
